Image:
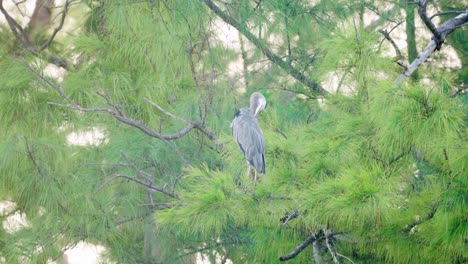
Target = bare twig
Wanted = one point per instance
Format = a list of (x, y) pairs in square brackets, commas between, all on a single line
[(386, 34), (59, 27), (136, 169), (330, 248), (31, 157), (446, 13), (343, 256)]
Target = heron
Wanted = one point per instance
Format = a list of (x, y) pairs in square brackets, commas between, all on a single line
[(249, 136)]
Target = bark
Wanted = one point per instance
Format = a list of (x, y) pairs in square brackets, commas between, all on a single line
[(41, 17), (298, 249), (316, 251), (411, 37)]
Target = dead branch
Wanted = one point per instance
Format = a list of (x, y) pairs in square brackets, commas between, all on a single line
[(115, 112), (150, 186), (386, 34), (443, 31), (330, 248), (289, 216), (31, 157)]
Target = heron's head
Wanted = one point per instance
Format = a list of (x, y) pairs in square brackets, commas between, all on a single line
[(257, 103)]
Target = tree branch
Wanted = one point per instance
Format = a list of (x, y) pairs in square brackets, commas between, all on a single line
[(295, 73), (298, 249), (23, 39), (422, 11), (444, 30), (459, 91), (418, 221), (149, 186), (330, 248), (289, 216), (386, 34), (59, 27)]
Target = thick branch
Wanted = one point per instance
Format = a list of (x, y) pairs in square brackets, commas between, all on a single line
[(298, 249), (295, 73), (444, 30), (422, 11)]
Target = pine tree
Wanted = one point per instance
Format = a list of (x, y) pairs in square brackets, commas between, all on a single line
[(366, 168)]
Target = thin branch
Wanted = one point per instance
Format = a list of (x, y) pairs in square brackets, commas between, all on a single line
[(459, 91), (59, 27), (298, 249), (295, 73), (386, 34), (31, 157), (422, 11), (289, 216), (330, 248), (149, 186), (166, 112), (136, 169), (446, 13)]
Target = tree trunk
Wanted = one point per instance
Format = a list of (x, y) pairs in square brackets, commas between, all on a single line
[(411, 37), (41, 17)]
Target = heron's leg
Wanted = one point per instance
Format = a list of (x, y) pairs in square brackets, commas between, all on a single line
[(255, 180), (248, 170)]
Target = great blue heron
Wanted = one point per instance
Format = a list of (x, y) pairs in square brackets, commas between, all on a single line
[(249, 136)]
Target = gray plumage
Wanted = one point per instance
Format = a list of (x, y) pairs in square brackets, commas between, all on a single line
[(247, 132)]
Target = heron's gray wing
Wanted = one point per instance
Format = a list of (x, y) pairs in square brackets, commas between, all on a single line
[(249, 137)]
